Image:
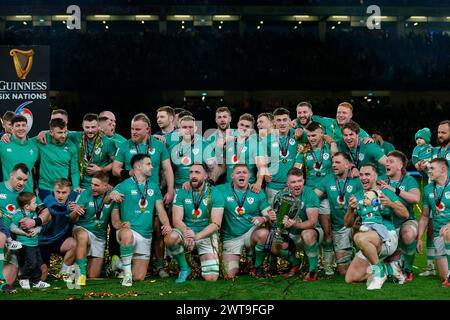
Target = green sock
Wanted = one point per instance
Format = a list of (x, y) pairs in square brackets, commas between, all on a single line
[(409, 254), (82, 264), (447, 252), (260, 254), (178, 253), (126, 254), (313, 256), (2, 258), (378, 270), (160, 264), (293, 260)]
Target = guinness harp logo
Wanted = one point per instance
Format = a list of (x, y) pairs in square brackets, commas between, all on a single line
[(23, 60)]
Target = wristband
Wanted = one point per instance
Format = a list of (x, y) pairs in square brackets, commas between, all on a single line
[(125, 174), (38, 222), (397, 191)]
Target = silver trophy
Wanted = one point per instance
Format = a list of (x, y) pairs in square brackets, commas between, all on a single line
[(284, 207)]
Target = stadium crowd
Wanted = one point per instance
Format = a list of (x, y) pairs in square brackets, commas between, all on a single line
[(307, 189)]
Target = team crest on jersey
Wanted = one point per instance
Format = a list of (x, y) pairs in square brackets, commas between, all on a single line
[(229, 199), (250, 200), (152, 151), (402, 188), (447, 195), (66, 148), (91, 204), (230, 149), (326, 156), (31, 152), (196, 213), (291, 141), (150, 192), (349, 188), (97, 151), (309, 158), (333, 188), (195, 151), (205, 202), (132, 151), (361, 156)]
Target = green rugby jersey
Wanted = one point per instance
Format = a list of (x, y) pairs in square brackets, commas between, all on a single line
[(420, 153), (183, 156), (8, 203), (27, 241), (101, 156), (57, 160), (15, 152), (90, 221), (130, 208), (117, 139), (333, 190), (367, 153), (238, 220), (247, 151), (198, 219), (406, 184), (327, 124), (308, 200), (386, 147), (280, 164), (439, 213), (315, 171), (155, 149), (387, 214), (441, 152)]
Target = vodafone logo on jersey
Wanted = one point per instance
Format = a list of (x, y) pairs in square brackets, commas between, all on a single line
[(24, 111)]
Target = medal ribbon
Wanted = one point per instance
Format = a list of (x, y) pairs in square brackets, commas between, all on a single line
[(142, 196), (341, 192), (98, 211), (147, 147), (399, 181), (446, 151), (180, 147), (236, 148), (437, 200), (357, 154), (239, 202), (284, 149), (200, 198), (320, 161)]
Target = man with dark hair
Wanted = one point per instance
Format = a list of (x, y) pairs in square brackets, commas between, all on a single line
[(442, 150), (55, 237), (361, 153), (217, 138), (196, 225), (59, 159), (178, 114), (407, 189), (95, 150), (375, 243), (302, 227), (60, 114), (337, 188), (165, 117), (436, 206), (132, 217), (19, 149), (315, 160), (281, 153), (9, 190), (90, 226), (385, 146), (142, 142)]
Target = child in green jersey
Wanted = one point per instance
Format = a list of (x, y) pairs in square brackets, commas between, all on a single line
[(370, 213)]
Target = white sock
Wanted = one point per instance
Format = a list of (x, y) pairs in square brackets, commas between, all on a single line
[(64, 268), (430, 263), (126, 263)]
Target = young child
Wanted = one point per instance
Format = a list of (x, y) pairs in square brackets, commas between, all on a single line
[(422, 152), (29, 256), (10, 244), (370, 213)]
